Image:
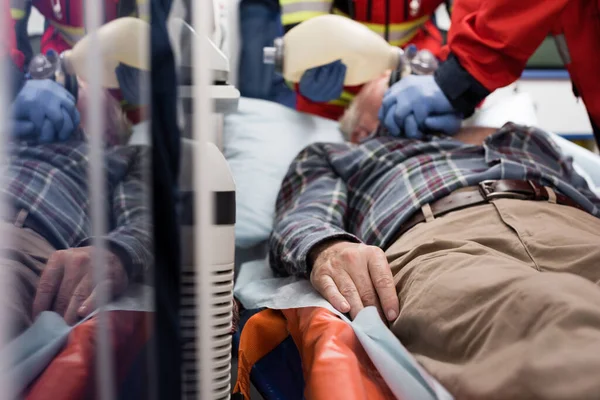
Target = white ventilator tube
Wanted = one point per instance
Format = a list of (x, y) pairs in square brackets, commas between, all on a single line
[(121, 41), (327, 38)]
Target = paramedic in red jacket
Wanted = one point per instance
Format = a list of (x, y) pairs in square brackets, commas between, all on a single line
[(489, 45), (65, 27), (400, 22)]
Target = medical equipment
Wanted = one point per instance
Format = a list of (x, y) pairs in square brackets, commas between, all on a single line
[(123, 40), (208, 292), (224, 95), (365, 54), (423, 62), (51, 66)]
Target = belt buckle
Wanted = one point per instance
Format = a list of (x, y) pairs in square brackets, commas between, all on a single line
[(487, 189)]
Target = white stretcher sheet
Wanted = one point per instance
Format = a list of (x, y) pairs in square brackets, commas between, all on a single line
[(256, 287), (32, 351)]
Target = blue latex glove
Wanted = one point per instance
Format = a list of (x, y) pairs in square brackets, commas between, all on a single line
[(324, 83), (132, 82), (44, 112), (416, 105)]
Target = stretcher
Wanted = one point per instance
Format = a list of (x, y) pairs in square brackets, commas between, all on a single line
[(71, 374), (293, 343), (292, 347)]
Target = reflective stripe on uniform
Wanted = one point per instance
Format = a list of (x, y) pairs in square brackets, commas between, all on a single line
[(70, 34), (296, 11), (17, 14), (18, 8), (344, 100), (399, 34)]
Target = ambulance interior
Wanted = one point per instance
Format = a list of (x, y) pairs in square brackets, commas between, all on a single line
[(280, 134), (254, 140)]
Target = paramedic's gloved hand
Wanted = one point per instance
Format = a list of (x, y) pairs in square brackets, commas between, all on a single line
[(44, 112), (352, 276), (132, 83), (415, 106), (67, 285), (323, 84)]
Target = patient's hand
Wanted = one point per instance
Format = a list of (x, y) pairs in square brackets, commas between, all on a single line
[(352, 276), (67, 283)]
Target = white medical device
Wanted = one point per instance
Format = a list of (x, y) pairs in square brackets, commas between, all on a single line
[(224, 95), (218, 180)]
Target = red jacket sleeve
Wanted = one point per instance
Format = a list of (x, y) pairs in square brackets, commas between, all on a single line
[(490, 42), (494, 39)]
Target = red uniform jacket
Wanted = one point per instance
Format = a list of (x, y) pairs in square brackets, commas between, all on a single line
[(491, 41)]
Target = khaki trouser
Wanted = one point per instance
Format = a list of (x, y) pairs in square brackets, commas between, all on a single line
[(502, 300), (23, 255)]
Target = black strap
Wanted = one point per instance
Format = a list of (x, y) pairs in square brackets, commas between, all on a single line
[(127, 8), (463, 91), (596, 131)]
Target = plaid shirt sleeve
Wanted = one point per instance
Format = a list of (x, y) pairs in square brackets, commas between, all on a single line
[(133, 230), (310, 209), (131, 236)]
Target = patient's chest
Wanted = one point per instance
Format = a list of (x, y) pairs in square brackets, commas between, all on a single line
[(67, 165), (52, 183)]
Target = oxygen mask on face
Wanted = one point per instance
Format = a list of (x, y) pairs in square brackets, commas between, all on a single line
[(412, 62), (52, 66)]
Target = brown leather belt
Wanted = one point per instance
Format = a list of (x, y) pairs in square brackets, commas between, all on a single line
[(483, 193)]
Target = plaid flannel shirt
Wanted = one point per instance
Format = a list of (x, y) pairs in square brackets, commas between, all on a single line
[(51, 183), (364, 193)]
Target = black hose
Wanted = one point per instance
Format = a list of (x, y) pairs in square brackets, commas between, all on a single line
[(351, 12), (387, 20)]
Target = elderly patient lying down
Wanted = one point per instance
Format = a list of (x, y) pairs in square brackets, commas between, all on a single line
[(48, 257), (482, 251)]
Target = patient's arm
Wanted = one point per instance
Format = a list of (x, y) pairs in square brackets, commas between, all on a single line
[(310, 209), (67, 285), (131, 236)]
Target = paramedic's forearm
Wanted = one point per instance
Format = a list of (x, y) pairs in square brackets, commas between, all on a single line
[(493, 45)]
